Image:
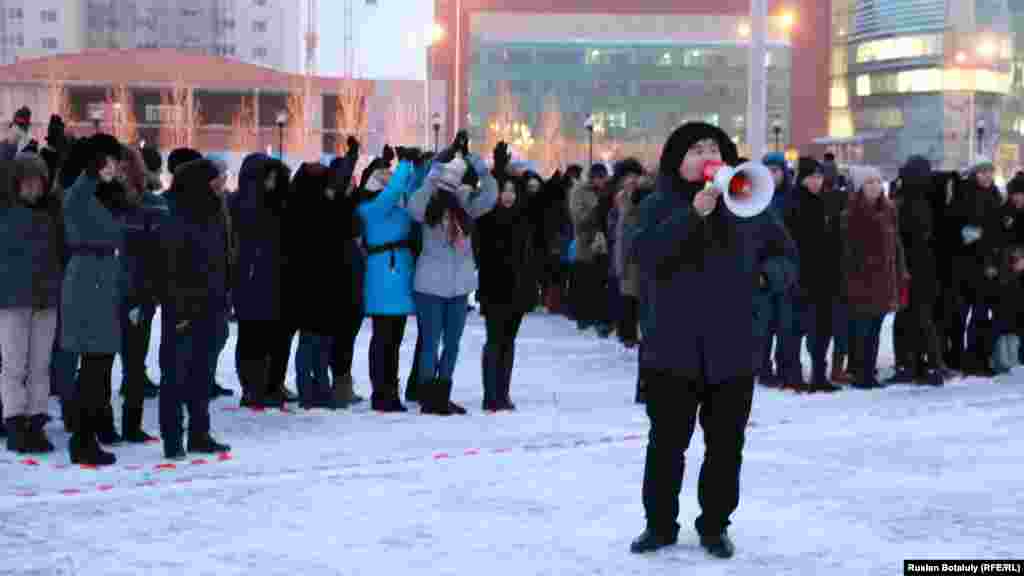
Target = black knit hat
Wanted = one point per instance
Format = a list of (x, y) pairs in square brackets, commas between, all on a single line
[(1015, 185), (181, 156), (805, 167), (154, 161)]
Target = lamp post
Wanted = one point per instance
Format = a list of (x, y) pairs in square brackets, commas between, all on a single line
[(436, 121), (282, 119), (981, 137), (589, 125), (777, 130)]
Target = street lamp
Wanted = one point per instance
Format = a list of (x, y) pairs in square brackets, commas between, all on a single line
[(282, 119), (589, 125), (436, 121), (981, 137), (777, 130), (96, 115)]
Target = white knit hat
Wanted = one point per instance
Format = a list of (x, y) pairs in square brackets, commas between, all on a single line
[(452, 173)]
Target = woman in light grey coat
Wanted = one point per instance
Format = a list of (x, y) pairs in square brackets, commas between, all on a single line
[(445, 270), (90, 294)]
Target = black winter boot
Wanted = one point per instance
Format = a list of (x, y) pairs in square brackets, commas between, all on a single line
[(106, 432), (38, 443), (650, 540), (84, 447), (440, 403), (205, 444), (385, 398), (17, 434), (718, 545)]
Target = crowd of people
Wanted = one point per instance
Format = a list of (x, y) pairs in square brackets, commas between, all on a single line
[(93, 245)]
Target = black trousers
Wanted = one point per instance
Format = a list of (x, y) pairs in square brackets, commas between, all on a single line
[(134, 346), (343, 350), (188, 387), (91, 401), (499, 353), (630, 320), (591, 291), (268, 345), (385, 343), (924, 344), (674, 406), (903, 325)]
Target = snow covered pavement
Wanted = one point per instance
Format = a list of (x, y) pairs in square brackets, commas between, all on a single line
[(851, 483)]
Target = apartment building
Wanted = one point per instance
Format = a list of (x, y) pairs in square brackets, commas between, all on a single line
[(263, 32)]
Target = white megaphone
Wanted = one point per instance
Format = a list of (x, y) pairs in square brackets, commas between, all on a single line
[(747, 189)]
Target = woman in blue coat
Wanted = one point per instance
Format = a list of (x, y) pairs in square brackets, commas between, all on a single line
[(91, 295), (387, 286)]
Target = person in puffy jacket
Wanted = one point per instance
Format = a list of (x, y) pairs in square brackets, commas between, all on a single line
[(31, 268), (195, 291), (700, 269), (445, 270), (387, 285)]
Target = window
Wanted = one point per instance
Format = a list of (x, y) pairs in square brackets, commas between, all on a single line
[(49, 43), (839, 95), (189, 12), (616, 120), (48, 16), (899, 48), (602, 57), (260, 3), (15, 14), (259, 52), (18, 40), (226, 23), (933, 80), (259, 26), (881, 118)]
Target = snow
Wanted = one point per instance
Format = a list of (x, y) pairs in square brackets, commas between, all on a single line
[(851, 483)]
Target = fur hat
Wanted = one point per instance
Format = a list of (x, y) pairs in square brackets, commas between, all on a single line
[(807, 166), (451, 174), (680, 142)]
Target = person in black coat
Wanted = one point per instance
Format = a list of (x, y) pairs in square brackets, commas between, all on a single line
[(509, 269), (346, 228), (195, 295), (923, 360), (699, 271), (814, 223), (1011, 217)]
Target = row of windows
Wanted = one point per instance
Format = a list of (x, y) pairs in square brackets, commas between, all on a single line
[(899, 47), (19, 41), (933, 80), (47, 16), (667, 57)]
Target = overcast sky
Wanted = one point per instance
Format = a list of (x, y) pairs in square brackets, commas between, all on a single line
[(382, 37)]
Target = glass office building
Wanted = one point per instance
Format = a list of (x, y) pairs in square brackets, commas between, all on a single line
[(929, 77), (640, 76)]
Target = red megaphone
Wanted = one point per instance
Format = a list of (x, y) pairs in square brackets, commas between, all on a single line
[(739, 183)]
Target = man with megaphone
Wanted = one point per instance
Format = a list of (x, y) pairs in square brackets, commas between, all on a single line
[(700, 265)]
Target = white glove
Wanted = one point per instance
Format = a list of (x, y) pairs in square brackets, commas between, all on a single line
[(971, 234), (135, 316)]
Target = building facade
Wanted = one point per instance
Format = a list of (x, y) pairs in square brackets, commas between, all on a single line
[(639, 68), (938, 78), (263, 32)]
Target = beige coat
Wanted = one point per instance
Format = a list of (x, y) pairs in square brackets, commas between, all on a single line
[(583, 202)]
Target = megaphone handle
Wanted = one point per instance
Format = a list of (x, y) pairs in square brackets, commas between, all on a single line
[(706, 200)]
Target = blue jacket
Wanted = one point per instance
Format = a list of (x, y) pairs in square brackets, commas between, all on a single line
[(141, 262), (256, 216), (699, 278), (30, 258), (387, 286), (91, 291)]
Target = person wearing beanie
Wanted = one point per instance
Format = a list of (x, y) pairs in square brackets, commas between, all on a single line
[(195, 288), (699, 270), (56, 146), (874, 268), (975, 217), (814, 224), (445, 270), (781, 308), (591, 271), (622, 285), (1012, 217), (19, 138)]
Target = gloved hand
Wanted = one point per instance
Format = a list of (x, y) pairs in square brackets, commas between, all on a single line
[(971, 234), (353, 145), (388, 155), (182, 327), (135, 316), (461, 143)]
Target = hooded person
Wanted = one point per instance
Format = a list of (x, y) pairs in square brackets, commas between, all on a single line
[(445, 270), (509, 268), (923, 361), (780, 310), (19, 138), (196, 288), (813, 222), (257, 288), (699, 271), (783, 197)]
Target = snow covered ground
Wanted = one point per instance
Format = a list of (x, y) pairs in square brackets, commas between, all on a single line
[(851, 483)]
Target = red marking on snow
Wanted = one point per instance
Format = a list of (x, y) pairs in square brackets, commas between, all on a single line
[(165, 467), (133, 467), (26, 494), (471, 452), (88, 467), (153, 441), (258, 409), (502, 450), (231, 409), (183, 481), (224, 456), (199, 462), (287, 411), (30, 462), (105, 487), (441, 456), (70, 491), (147, 483), (628, 437)]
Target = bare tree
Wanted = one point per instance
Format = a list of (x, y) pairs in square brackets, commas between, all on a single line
[(551, 154), (506, 115), (120, 104), (243, 126), (351, 114), (180, 116)]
